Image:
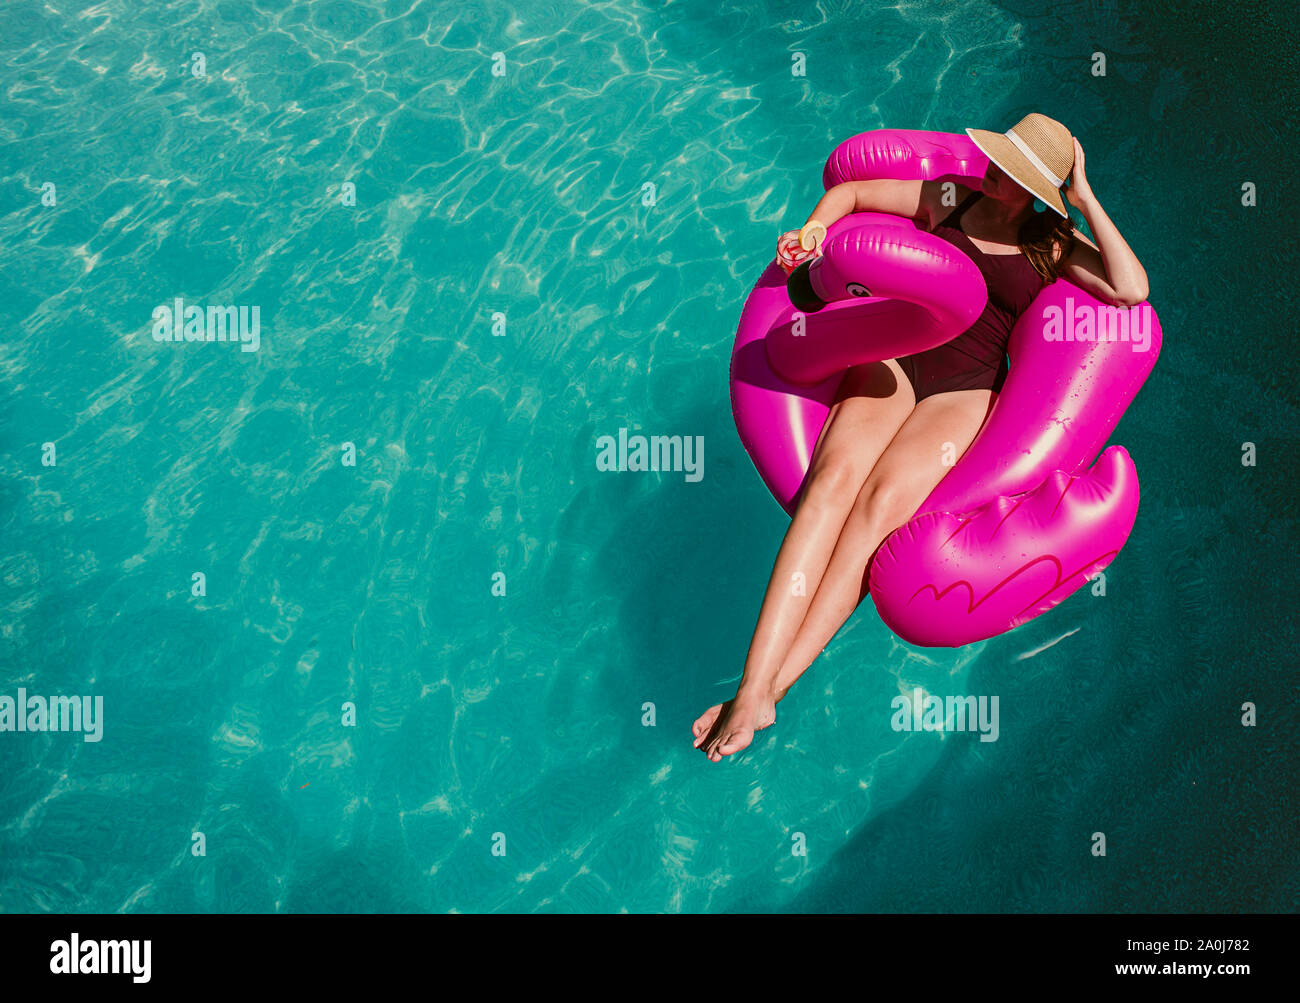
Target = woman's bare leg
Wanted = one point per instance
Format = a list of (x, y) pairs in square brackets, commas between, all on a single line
[(942, 427), (939, 428), (873, 402)]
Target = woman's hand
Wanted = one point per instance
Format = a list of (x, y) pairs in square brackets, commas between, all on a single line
[(1080, 192)]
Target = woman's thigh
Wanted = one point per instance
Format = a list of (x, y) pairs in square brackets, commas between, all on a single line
[(872, 403), (931, 440)]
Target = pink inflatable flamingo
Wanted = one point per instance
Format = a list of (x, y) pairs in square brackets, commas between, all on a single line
[(1022, 520)]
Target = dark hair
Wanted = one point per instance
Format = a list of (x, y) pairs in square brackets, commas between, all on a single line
[(1047, 240)]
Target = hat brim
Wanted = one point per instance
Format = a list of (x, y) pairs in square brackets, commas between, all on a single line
[(1017, 167)]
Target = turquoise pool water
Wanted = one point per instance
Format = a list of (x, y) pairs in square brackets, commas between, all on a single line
[(373, 584)]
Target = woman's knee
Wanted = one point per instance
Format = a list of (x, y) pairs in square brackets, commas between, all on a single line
[(835, 480), (884, 504)]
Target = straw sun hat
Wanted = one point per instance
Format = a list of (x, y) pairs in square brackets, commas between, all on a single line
[(1037, 153)]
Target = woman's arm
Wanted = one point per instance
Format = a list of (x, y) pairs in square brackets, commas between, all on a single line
[(902, 198), (1112, 271)]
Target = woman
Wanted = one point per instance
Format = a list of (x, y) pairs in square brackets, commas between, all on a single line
[(882, 449)]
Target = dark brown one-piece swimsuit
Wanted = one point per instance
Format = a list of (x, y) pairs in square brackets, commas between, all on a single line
[(977, 358)]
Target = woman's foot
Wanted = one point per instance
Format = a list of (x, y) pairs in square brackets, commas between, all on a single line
[(729, 727)]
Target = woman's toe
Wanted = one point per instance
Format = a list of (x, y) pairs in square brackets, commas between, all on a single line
[(735, 742)]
